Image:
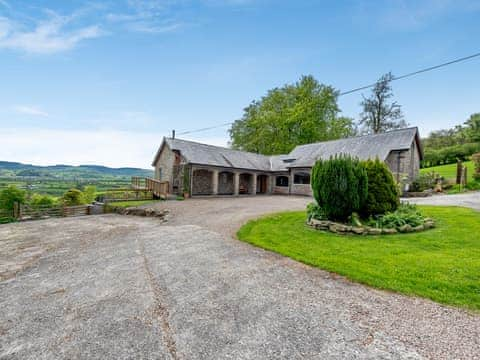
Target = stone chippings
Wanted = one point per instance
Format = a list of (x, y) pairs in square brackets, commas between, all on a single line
[(125, 287), (339, 228)]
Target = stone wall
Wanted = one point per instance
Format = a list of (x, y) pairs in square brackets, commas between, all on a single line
[(409, 163), (164, 166), (225, 183), (202, 182), (300, 189), (280, 189)]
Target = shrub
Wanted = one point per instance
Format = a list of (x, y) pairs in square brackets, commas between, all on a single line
[(89, 193), (383, 195), (339, 186), (314, 211), (73, 197), (11, 195), (406, 214), (449, 154), (43, 201), (423, 182)]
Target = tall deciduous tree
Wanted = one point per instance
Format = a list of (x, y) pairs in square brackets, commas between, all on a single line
[(294, 114), (472, 128), (380, 114)]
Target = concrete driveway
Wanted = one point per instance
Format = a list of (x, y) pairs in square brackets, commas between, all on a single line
[(117, 287), (470, 199)]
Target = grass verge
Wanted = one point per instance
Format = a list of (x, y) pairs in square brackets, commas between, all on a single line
[(126, 204), (442, 264)]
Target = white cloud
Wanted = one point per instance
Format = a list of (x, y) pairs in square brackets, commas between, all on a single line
[(29, 110), (102, 147), (47, 36)]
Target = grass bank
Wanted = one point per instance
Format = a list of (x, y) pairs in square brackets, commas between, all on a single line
[(442, 264), (450, 171)]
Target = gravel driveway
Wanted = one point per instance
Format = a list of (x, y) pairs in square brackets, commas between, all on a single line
[(471, 200), (119, 287)]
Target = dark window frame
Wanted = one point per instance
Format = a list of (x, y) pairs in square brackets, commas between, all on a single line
[(280, 183), (301, 178)]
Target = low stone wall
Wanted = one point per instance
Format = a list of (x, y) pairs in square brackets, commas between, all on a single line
[(339, 228), (135, 211)]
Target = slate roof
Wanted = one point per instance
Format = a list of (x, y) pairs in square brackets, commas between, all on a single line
[(363, 147), (197, 153)]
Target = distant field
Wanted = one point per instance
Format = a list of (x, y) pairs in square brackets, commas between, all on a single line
[(450, 171), (57, 187)]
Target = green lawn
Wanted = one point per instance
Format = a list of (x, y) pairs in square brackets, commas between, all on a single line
[(132, 203), (450, 171), (442, 264)]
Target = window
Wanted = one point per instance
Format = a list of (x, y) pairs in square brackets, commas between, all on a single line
[(159, 175), (301, 178), (281, 181)]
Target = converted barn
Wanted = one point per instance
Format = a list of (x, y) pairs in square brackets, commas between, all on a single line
[(202, 169)]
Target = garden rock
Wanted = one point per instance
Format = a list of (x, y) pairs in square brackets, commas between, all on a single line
[(429, 224), (374, 231), (419, 228), (148, 212), (389, 231), (358, 230), (405, 228)]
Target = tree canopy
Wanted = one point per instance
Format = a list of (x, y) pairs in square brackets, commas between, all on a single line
[(379, 113), (294, 114)]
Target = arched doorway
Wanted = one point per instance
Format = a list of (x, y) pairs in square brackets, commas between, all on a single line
[(245, 184)]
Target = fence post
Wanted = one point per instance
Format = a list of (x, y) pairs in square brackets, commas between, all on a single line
[(16, 210), (459, 172)]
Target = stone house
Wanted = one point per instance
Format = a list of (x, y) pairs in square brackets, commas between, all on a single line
[(202, 169)]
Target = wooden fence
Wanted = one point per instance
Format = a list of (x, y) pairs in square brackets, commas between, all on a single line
[(125, 195), (158, 188), (138, 182), (27, 212)]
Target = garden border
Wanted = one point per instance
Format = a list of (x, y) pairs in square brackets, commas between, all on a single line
[(343, 229)]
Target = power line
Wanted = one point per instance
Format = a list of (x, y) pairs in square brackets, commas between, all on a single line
[(414, 73), (204, 129), (360, 88)]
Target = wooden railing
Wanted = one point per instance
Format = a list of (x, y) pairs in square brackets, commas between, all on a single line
[(133, 194), (138, 182), (158, 188)]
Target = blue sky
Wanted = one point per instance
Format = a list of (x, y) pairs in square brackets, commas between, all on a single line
[(103, 81)]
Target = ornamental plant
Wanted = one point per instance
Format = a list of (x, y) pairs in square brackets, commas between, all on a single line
[(340, 186), (383, 195)]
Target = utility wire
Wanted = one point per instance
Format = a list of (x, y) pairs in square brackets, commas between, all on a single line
[(414, 73), (362, 87)]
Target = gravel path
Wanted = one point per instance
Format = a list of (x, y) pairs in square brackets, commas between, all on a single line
[(471, 200), (117, 287)]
